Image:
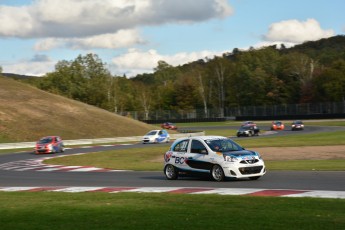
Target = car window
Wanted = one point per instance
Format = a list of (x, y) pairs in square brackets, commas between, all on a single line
[(223, 145), (151, 133), (181, 146), (45, 140), (198, 147)]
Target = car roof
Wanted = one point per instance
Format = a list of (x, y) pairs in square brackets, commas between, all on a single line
[(202, 137), (49, 137)]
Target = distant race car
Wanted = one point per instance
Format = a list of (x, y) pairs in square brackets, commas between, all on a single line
[(168, 125), (49, 144), (215, 156), (156, 136), (248, 130), (277, 125), (297, 125)]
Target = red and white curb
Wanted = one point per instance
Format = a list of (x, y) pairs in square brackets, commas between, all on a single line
[(184, 190), (37, 165)]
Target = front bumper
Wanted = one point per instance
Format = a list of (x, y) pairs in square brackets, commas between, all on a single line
[(38, 151), (242, 134), (244, 170)]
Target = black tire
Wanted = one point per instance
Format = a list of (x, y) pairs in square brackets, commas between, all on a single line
[(254, 177), (170, 172), (217, 173)]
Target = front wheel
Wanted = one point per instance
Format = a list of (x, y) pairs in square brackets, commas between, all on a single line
[(217, 173), (170, 172)]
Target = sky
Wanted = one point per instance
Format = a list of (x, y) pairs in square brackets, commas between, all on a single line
[(131, 36)]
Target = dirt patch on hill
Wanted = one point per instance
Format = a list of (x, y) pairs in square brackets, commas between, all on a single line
[(302, 153)]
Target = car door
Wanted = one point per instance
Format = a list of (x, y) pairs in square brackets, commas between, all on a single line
[(162, 136), (179, 154), (197, 157)]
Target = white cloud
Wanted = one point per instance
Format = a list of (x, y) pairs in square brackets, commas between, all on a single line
[(136, 62), (123, 38), (34, 67), (75, 18), (15, 21), (48, 44), (294, 31)]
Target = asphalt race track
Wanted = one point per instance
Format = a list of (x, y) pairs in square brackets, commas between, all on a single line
[(12, 174)]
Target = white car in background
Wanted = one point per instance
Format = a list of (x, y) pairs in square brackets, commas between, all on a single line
[(156, 136), (217, 156)]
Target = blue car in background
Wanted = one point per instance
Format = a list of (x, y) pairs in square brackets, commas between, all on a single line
[(156, 136)]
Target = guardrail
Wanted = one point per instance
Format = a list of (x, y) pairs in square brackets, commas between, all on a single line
[(23, 145)]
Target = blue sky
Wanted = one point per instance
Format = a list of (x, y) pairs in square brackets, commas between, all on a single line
[(131, 36)]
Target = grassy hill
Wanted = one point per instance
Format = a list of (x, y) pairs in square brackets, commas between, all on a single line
[(27, 113)]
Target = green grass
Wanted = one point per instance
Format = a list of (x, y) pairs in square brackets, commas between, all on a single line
[(314, 139), (307, 165), (51, 210)]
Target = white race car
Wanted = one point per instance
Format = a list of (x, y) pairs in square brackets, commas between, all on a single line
[(217, 156), (156, 136)]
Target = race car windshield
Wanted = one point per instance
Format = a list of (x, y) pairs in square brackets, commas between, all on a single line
[(45, 140), (223, 145), (151, 133)]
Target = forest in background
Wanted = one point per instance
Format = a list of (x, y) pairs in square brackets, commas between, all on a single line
[(307, 73)]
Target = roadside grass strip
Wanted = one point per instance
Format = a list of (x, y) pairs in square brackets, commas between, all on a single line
[(186, 190), (37, 165)]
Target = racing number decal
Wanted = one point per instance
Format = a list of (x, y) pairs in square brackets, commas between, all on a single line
[(179, 160)]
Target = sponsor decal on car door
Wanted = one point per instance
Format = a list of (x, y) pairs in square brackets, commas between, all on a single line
[(198, 158)]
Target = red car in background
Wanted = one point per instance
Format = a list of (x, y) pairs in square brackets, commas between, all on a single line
[(168, 125), (277, 125), (49, 144)]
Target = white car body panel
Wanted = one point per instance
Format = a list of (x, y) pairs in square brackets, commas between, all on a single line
[(238, 163), (156, 136)]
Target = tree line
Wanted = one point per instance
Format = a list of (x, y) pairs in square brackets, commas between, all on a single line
[(307, 73)]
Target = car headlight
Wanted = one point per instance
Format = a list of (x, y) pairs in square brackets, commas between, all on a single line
[(50, 146), (230, 159), (258, 154)]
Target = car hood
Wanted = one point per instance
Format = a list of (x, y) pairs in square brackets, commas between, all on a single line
[(37, 143), (241, 154)]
